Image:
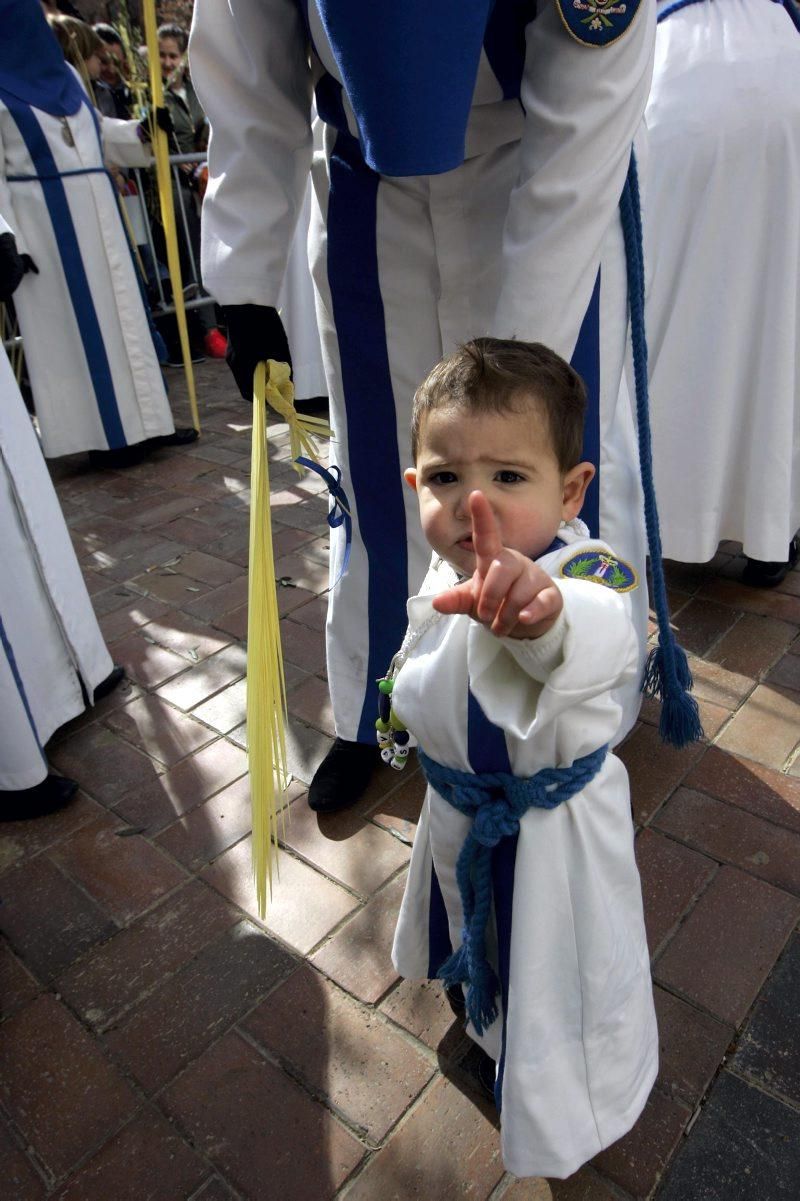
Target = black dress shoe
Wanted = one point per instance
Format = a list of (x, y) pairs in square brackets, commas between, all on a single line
[(109, 683), (178, 437), (121, 457), (343, 775), (480, 1070), (455, 998), (761, 573), (52, 794)]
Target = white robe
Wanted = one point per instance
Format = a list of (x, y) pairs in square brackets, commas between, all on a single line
[(49, 636), (722, 240), (93, 370), (513, 241), (577, 1048)]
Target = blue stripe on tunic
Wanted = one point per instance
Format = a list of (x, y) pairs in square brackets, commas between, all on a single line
[(23, 696), (488, 752), (586, 361), (74, 271), (376, 480)]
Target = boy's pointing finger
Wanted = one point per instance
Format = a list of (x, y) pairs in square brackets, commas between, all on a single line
[(485, 532)]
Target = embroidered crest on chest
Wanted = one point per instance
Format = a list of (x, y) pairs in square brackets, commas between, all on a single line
[(597, 22), (599, 567)]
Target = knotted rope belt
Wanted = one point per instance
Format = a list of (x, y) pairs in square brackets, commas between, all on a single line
[(496, 801)]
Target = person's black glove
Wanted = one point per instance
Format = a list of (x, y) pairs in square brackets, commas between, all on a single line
[(13, 266), (255, 333), (162, 119)]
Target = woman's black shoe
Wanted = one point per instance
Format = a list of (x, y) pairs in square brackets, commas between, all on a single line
[(52, 794), (107, 685), (760, 573), (343, 775), (121, 457), (178, 437)]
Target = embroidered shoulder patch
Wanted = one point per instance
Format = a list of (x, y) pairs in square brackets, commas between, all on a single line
[(597, 22), (600, 568)]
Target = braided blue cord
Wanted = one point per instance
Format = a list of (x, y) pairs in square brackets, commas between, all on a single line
[(495, 801), (667, 675)]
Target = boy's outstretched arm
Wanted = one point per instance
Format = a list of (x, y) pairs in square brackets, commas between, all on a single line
[(508, 593)]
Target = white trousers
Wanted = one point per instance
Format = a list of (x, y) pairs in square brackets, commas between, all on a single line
[(406, 269)]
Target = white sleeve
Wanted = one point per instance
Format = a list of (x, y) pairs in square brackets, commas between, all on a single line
[(8, 220), (593, 650), (122, 145), (250, 69), (583, 106)]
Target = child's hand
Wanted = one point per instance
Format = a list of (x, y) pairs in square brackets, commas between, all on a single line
[(508, 592)]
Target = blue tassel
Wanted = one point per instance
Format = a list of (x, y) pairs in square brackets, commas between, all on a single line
[(455, 969), (667, 674)]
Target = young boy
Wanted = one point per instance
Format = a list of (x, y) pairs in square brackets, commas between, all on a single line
[(508, 671)]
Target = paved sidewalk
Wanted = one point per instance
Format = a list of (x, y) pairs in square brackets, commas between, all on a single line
[(159, 1042)]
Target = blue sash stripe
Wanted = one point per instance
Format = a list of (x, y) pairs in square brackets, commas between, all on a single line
[(23, 696), (586, 361), (373, 454), (74, 272)]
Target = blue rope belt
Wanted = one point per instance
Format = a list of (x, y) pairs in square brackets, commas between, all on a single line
[(496, 802), (56, 175)]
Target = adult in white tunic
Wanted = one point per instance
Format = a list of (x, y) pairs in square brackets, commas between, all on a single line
[(93, 370), (722, 238), (52, 654), (470, 183), (575, 1038)]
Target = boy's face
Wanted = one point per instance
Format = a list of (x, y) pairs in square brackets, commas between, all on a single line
[(509, 457)]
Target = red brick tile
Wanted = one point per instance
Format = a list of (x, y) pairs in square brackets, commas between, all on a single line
[(188, 531), (59, 1089), (691, 1047), (145, 661), (701, 623), (123, 970), (183, 787), (173, 1025), (313, 614), (105, 765), (305, 748), (48, 921), (96, 530), (226, 710), (257, 1125), (399, 809), (285, 540), (766, 728), (291, 598), (146, 1159), (311, 702), (753, 645), (210, 828), (158, 729), (233, 546), (214, 1190), (311, 515), (341, 1051), (19, 840), (17, 985), (655, 769), (186, 636), (584, 1185), (302, 646), (343, 846), (171, 586), (205, 678), (722, 954), (672, 876), (21, 1180), (719, 685), (164, 511), (124, 875), (304, 572), (733, 836), (532, 1188), (209, 569), (749, 785), (412, 1164), (234, 623), (785, 673), (304, 906), (753, 600), (637, 1161), (358, 957), (220, 600), (421, 1008)]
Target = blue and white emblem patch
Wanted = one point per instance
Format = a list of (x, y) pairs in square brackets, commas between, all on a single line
[(598, 567), (597, 22)]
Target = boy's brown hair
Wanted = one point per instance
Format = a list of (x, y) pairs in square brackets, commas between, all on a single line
[(496, 375)]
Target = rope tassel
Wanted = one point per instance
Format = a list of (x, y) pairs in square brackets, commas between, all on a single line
[(667, 675)]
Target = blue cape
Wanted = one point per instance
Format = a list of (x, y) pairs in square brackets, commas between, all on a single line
[(32, 67)]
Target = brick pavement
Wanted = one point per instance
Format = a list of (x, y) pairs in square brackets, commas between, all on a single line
[(158, 1041)]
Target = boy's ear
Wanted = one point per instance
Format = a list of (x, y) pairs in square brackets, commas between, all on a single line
[(410, 476), (576, 481)]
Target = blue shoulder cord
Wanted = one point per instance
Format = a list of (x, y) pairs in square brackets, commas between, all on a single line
[(667, 675)]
